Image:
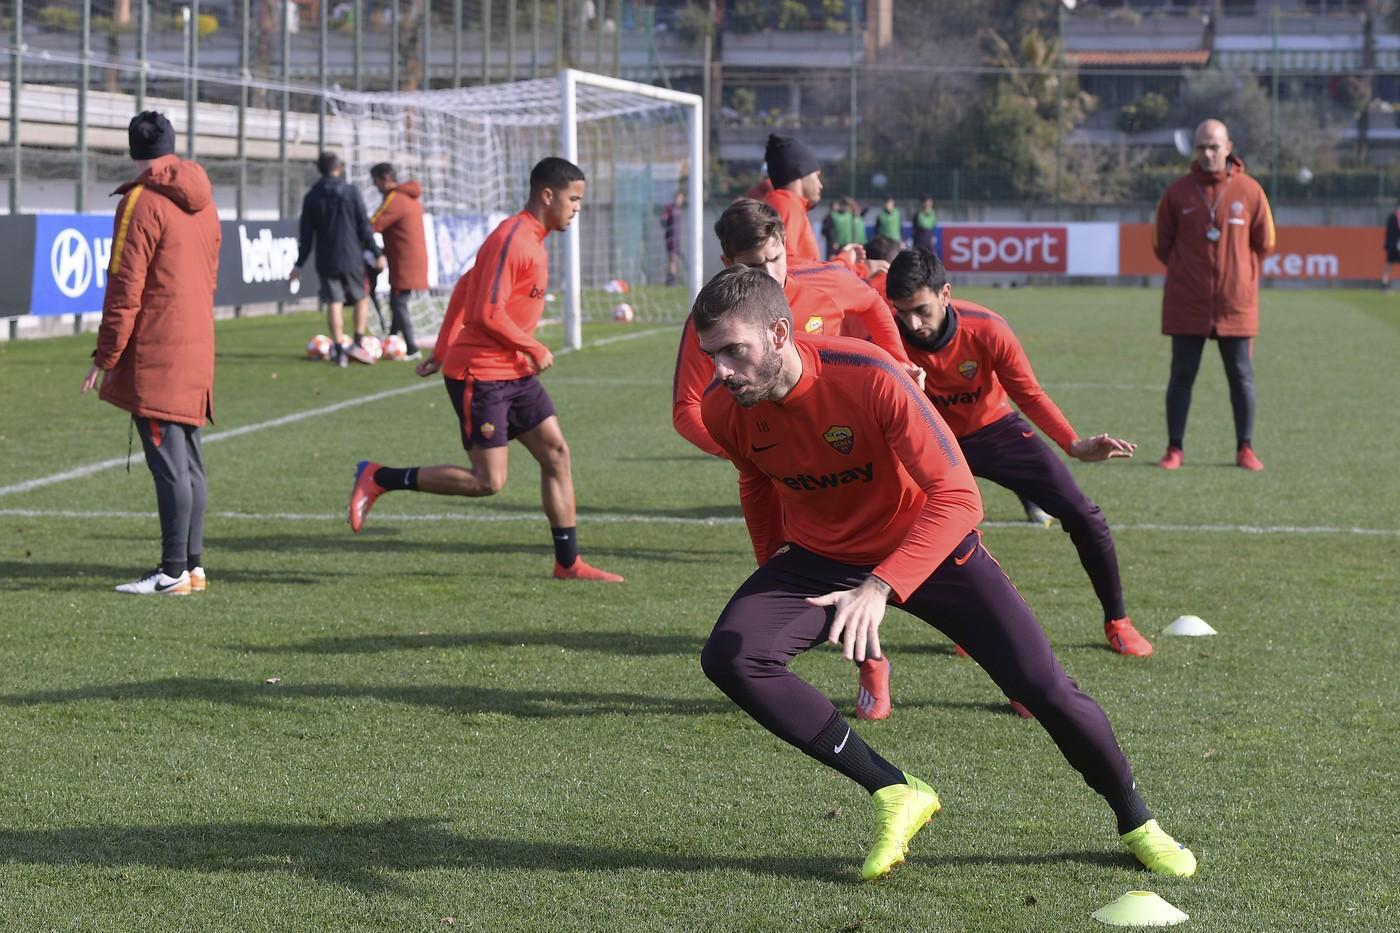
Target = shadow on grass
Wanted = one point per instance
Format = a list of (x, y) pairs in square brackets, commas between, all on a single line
[(528, 704), (602, 642), (387, 539), (359, 855), (33, 575)]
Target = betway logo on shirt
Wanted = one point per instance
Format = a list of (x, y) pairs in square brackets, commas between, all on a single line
[(815, 481), (956, 398), (1005, 249)]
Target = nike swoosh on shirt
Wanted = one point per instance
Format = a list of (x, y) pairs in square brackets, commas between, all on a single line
[(759, 450), (1187, 210), (1028, 434), (843, 740)]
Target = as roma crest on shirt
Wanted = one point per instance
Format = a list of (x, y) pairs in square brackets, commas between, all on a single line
[(840, 437), (813, 325), (488, 430), (968, 369)]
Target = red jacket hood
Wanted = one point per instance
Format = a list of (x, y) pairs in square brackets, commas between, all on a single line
[(186, 184), (410, 188)]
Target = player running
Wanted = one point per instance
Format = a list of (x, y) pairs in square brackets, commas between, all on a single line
[(877, 504), (824, 297), (974, 362), (489, 359)]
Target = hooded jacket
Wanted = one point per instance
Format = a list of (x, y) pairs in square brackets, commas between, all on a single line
[(400, 218), (1212, 286), (156, 341), (333, 219)]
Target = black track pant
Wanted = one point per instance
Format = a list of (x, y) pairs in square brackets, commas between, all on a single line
[(1236, 353)]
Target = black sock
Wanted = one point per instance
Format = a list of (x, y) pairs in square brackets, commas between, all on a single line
[(1127, 805), (1241, 444), (173, 568), (839, 748), (392, 478), (1175, 442), (565, 545), (358, 337), (196, 560)]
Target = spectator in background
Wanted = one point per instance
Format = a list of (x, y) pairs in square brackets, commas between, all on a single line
[(925, 219), (829, 229), (889, 222), (156, 342), (1213, 229), (670, 227), (335, 224), (1392, 247), (399, 219), (849, 225)]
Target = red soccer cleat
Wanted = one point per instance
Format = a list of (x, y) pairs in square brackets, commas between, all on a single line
[(1124, 639), (958, 650), (1246, 459), (1020, 710), (873, 697), (583, 571), (363, 494), (1172, 459)]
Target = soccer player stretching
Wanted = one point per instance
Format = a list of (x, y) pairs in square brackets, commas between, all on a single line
[(973, 361), (824, 298), (878, 505), (489, 356)]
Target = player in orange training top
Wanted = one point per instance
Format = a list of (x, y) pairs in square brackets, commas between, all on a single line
[(877, 505), (974, 362), (489, 359)]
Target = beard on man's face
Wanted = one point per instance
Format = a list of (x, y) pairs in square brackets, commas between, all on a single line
[(763, 381), (929, 342)]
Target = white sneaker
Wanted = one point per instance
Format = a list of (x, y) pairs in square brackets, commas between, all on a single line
[(415, 355), (1038, 516), (157, 583), (198, 581)]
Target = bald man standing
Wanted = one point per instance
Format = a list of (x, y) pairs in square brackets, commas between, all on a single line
[(1212, 229)]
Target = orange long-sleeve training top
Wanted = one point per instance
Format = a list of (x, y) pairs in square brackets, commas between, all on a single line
[(488, 331), (855, 460)]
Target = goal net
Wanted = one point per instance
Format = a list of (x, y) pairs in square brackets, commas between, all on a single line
[(472, 150)]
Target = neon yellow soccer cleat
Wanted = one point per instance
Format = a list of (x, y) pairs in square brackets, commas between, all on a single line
[(901, 810), (1162, 854)]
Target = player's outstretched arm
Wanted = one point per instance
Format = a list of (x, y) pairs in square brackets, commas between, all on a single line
[(856, 625), (1100, 447)]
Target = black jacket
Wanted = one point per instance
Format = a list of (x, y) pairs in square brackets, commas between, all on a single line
[(333, 217)]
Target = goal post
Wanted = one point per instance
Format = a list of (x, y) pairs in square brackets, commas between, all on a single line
[(569, 79), (472, 150)]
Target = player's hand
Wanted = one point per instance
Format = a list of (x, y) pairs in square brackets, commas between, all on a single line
[(90, 380), (381, 263), (856, 624), (426, 368), (544, 362), (877, 265), (296, 273), (1101, 447), (916, 373), (853, 253)]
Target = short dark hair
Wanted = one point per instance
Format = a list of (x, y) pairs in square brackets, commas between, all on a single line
[(738, 291), (327, 162), (882, 247), (912, 270), (746, 225), (383, 170), (554, 173)]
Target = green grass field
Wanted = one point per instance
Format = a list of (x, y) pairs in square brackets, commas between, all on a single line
[(416, 728)]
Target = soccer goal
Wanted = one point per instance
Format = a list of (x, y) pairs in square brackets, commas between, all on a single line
[(472, 150)]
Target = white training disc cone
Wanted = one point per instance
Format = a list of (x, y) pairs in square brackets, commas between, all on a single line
[(1139, 909), (1188, 625)]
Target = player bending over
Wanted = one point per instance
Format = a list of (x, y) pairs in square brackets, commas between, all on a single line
[(974, 362), (826, 298), (489, 359), (878, 505)]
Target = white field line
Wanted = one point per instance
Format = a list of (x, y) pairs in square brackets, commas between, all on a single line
[(662, 519), (99, 466)]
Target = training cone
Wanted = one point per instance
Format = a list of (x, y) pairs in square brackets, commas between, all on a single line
[(1139, 909), (1188, 625)]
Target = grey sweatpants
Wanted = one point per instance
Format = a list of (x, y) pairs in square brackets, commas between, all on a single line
[(177, 466)]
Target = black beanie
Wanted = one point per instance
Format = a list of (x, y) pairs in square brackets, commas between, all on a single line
[(788, 159), (150, 135)]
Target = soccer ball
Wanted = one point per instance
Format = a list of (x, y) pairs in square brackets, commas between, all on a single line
[(372, 346), (394, 347), (623, 313), (318, 347)]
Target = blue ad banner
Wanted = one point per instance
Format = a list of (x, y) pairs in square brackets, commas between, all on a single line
[(71, 253)]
